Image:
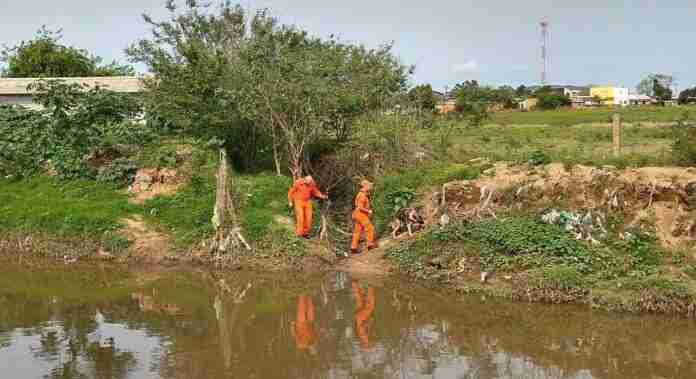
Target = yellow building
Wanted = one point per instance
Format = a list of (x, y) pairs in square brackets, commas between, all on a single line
[(611, 95)]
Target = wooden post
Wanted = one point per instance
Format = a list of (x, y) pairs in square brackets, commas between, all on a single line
[(617, 135)]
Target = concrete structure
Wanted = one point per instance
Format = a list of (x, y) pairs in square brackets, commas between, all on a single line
[(446, 106), (635, 99), (528, 104), (612, 96), (14, 91)]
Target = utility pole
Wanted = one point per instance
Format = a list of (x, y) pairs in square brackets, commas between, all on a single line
[(616, 134), (544, 52)]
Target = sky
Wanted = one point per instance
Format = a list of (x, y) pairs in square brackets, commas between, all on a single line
[(608, 42)]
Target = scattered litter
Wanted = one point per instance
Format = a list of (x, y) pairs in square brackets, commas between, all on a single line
[(583, 226)]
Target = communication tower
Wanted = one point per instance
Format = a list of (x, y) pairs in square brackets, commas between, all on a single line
[(544, 52)]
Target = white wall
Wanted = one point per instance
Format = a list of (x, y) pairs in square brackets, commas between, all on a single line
[(25, 101), (621, 96)]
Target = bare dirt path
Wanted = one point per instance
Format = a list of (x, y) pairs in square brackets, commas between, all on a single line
[(371, 263), (147, 244)]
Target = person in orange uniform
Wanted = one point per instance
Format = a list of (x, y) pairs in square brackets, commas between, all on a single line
[(361, 217), (363, 312), (300, 196), (302, 328)]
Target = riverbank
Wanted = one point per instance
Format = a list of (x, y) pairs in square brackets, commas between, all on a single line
[(612, 239)]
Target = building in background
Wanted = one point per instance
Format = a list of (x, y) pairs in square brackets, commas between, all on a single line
[(611, 96), (15, 91), (636, 99)]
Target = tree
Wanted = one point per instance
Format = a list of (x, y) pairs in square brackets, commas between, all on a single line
[(688, 96), (422, 98), (304, 89), (44, 56), (549, 101), (522, 91), (657, 86), (473, 101)]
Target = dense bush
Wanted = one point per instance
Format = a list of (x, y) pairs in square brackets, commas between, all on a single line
[(120, 171), (77, 125)]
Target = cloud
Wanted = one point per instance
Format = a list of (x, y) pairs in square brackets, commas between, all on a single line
[(469, 66)]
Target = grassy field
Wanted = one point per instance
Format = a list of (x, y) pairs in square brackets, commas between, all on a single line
[(582, 144), (597, 115)]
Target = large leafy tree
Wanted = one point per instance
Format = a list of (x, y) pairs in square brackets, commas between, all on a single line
[(422, 98), (687, 96), (657, 86), (304, 89), (45, 56), (473, 101)]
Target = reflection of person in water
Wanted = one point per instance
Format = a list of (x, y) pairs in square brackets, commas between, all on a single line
[(303, 327), (363, 312)]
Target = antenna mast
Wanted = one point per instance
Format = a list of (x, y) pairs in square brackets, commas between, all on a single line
[(544, 52)]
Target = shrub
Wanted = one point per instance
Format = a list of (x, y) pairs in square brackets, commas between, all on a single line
[(113, 242), (121, 171), (538, 158)]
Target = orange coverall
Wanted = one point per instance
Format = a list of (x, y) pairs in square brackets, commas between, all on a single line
[(363, 313), (362, 221), (303, 328), (300, 194)]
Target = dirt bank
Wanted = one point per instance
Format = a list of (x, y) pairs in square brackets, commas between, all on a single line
[(613, 239)]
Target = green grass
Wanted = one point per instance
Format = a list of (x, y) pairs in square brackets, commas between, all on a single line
[(187, 214), (583, 144), (566, 117), (262, 197), (73, 208)]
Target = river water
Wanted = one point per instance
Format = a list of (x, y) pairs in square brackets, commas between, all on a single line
[(104, 322)]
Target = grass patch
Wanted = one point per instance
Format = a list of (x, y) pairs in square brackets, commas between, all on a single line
[(583, 144), (262, 197), (566, 117), (72, 208), (187, 214)]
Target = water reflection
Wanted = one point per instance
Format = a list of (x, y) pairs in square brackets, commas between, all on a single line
[(190, 326)]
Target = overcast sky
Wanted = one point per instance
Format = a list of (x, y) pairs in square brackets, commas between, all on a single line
[(613, 42)]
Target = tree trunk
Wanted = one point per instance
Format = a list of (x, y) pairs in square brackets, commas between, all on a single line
[(276, 155), (227, 231)]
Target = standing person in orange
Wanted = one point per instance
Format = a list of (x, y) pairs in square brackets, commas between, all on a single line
[(363, 312), (302, 328), (361, 218), (300, 196)]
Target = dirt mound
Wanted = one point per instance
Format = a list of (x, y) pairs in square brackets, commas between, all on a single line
[(662, 199), (151, 182)]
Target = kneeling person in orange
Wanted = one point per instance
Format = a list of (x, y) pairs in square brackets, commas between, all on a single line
[(300, 196), (361, 217)]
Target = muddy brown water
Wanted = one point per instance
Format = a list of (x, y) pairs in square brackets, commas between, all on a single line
[(106, 323)]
